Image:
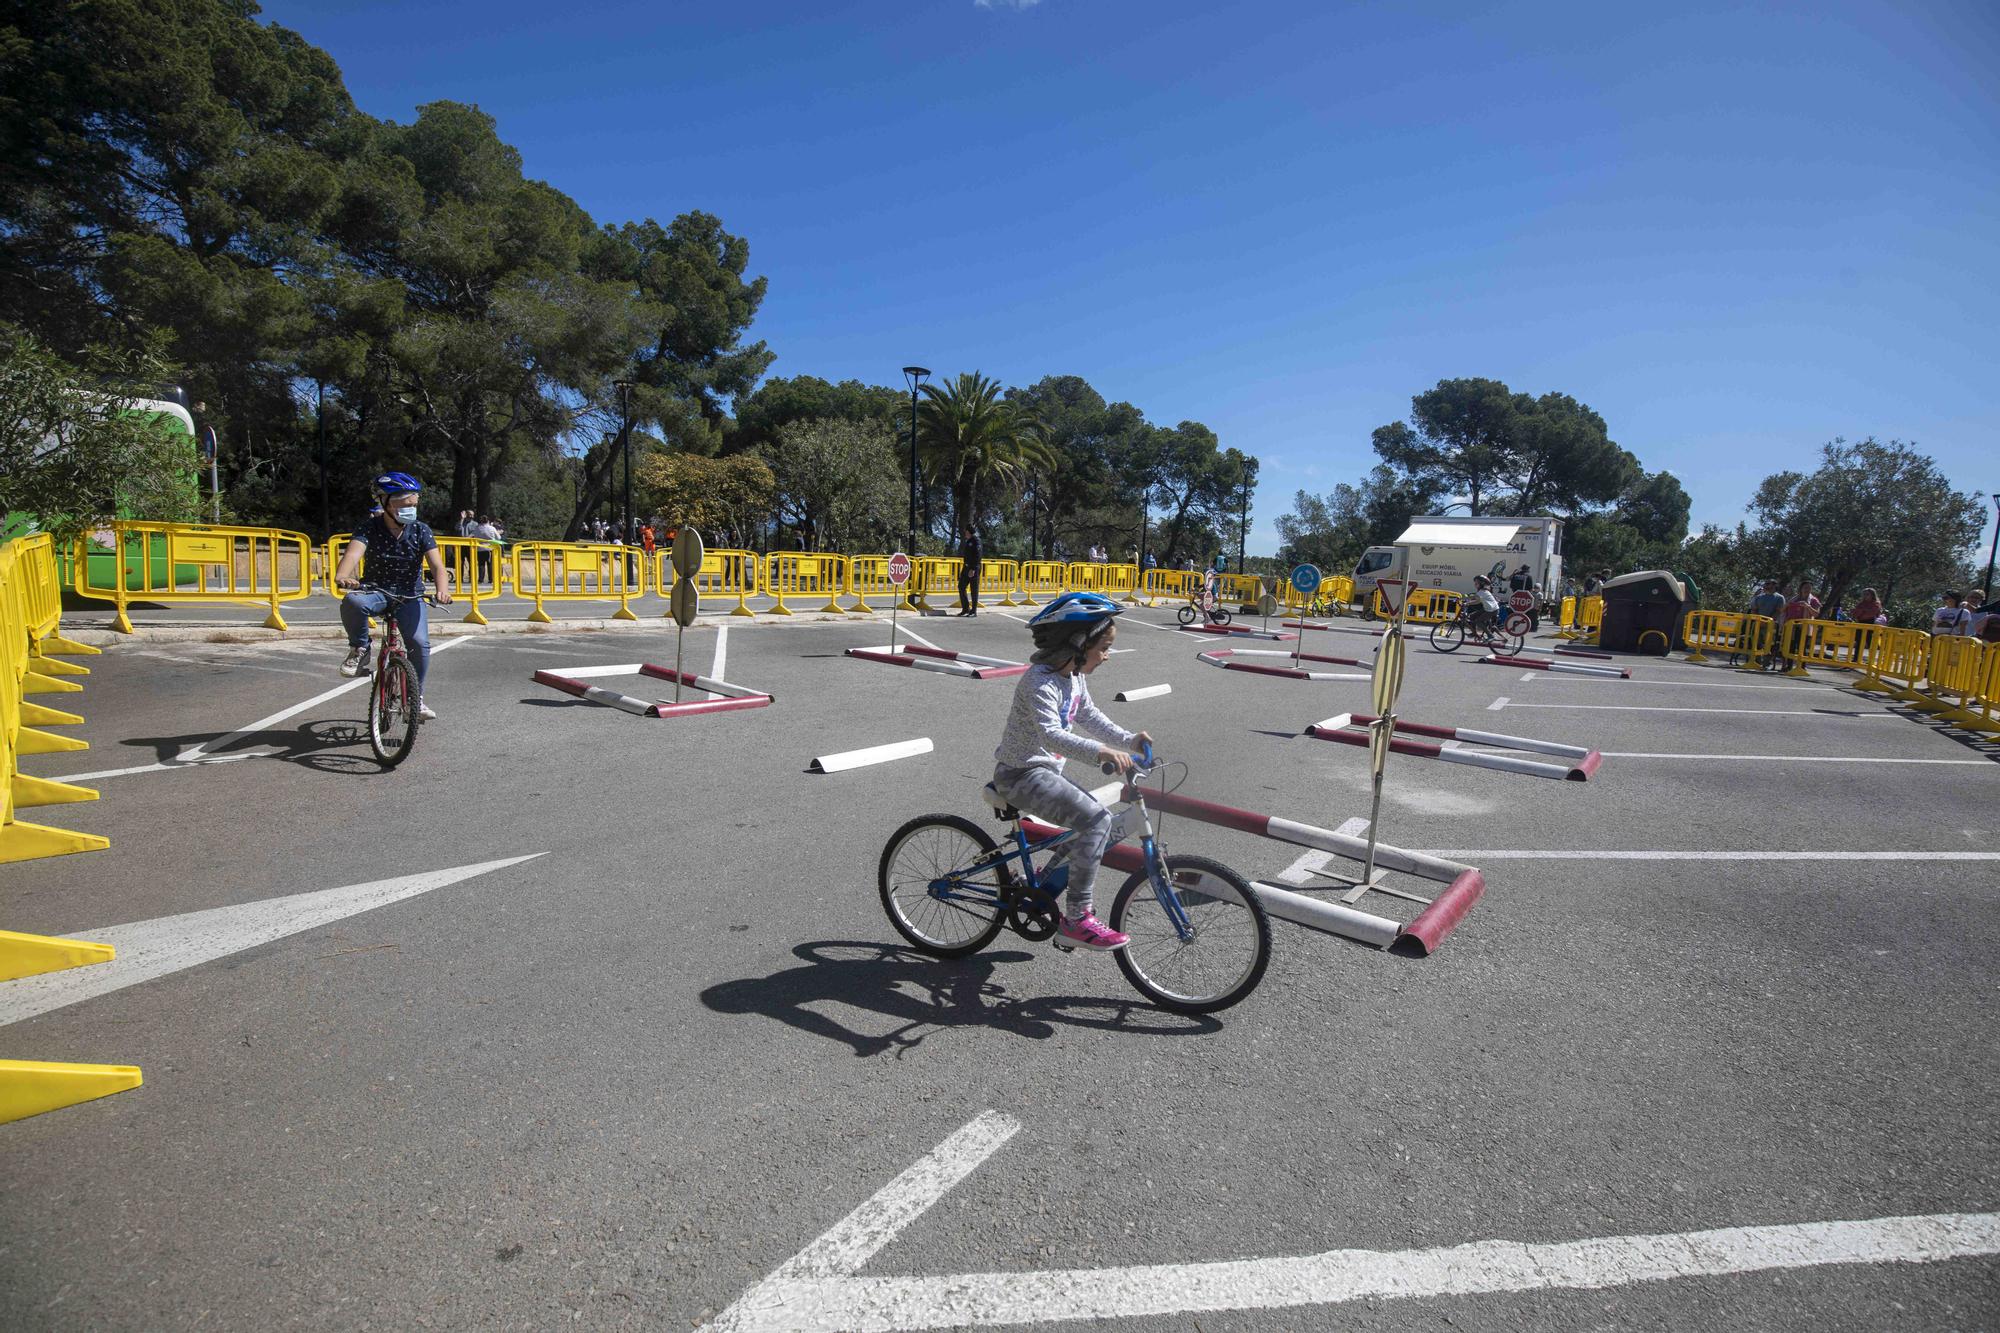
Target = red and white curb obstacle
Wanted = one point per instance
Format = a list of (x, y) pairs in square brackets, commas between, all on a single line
[(734, 696), (1224, 658), (968, 665), (1240, 631), (1568, 651), (1543, 664), (1422, 936), (1351, 729)]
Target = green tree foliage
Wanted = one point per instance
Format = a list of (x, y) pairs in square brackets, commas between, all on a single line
[(72, 456), (1874, 513), (725, 499), (1333, 531), (976, 444), (780, 401), (837, 483), (1506, 452), (1090, 493)]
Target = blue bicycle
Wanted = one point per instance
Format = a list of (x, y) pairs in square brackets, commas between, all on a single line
[(1200, 937)]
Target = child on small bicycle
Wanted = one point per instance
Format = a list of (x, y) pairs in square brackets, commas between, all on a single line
[(1482, 609), (1052, 717), (397, 546)]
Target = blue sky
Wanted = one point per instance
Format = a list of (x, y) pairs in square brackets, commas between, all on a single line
[(1735, 231)]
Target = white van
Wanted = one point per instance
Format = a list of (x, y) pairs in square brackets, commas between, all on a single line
[(1537, 544)]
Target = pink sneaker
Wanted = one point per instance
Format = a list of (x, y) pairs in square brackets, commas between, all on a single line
[(1087, 932)]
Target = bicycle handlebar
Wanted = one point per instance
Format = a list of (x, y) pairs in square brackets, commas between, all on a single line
[(1145, 758)]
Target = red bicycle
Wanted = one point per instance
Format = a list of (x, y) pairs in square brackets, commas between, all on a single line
[(394, 697)]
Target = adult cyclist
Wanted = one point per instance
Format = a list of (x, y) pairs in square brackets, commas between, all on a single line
[(397, 545)]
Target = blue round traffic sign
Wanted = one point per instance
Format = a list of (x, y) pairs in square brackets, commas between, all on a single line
[(1306, 579)]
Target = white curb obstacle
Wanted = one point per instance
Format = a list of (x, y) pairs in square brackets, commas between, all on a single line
[(1341, 629), (1143, 692), (734, 697), (1240, 631), (1353, 731), (1573, 668), (874, 754), (968, 665), (1222, 657), (1440, 916)]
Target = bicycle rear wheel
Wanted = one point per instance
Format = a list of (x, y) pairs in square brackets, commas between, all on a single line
[(1224, 958), (931, 899), (1187, 614), (1448, 636), (1219, 616), (392, 710)]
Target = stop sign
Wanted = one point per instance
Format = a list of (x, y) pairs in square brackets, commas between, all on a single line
[(899, 570), (1522, 601)]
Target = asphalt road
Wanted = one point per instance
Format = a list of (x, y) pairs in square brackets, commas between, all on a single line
[(621, 1084)]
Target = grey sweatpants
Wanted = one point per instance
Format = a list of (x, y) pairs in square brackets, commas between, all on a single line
[(1050, 796)]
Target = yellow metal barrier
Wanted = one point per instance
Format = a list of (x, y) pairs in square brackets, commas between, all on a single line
[(227, 566), (932, 574), (1173, 585), (1733, 633), (475, 567), (799, 574), (867, 576), (1581, 618), (1046, 577), (1988, 718), (27, 574), (725, 572), (1242, 589), (1895, 662), (574, 572), (999, 578), (1337, 591)]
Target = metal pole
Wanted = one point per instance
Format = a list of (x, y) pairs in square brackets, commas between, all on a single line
[(1994, 549), (325, 512), (1243, 524)]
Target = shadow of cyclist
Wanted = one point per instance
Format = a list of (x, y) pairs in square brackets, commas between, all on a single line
[(927, 995), (322, 745)]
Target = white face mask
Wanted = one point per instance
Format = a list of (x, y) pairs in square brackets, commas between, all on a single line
[(407, 515)]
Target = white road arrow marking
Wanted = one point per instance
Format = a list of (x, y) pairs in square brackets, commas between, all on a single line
[(149, 949), (817, 1292)]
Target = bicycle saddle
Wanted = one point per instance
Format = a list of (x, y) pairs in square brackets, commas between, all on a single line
[(999, 802)]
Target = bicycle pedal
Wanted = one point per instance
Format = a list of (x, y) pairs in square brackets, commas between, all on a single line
[(1066, 948)]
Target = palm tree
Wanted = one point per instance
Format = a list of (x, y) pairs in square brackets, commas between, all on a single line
[(970, 439)]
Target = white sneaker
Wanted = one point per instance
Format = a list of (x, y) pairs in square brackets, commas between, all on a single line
[(356, 663), (424, 712)]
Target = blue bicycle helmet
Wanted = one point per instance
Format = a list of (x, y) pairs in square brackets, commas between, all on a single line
[(1076, 609), (398, 483)]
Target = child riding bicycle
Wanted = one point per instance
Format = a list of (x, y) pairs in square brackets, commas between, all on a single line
[(397, 546), (1053, 716), (1482, 609)]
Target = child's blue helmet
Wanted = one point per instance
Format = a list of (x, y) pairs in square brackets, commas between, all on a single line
[(1065, 628), (1074, 609)]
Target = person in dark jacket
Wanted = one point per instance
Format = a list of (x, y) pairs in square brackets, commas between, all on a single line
[(969, 555)]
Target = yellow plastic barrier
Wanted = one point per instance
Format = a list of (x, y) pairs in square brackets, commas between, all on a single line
[(1566, 615), (1582, 620), (27, 573), (1841, 644), (999, 578), (1086, 576), (1895, 662), (229, 566), (799, 574), (1737, 634), (1955, 676), (1046, 577), (1171, 585), (1242, 589), (725, 572), (475, 567), (1988, 718), (1428, 606), (867, 576), (575, 572), (1337, 591), (933, 574)]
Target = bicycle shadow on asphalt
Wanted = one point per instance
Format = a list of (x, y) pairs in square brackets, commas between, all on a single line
[(929, 995), (329, 745)]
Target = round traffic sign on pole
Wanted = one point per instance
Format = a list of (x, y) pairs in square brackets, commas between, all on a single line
[(1306, 580), (899, 569), (683, 602), (688, 553), (1267, 597)]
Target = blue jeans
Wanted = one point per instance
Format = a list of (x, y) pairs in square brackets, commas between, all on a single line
[(356, 607)]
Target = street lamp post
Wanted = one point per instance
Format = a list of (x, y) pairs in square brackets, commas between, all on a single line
[(1994, 549), (625, 444), (916, 375), (325, 511), (1243, 523)]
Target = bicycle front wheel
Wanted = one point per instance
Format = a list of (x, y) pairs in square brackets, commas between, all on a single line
[(392, 711), (1448, 636), (930, 889), (1187, 614), (1225, 954), (1219, 616)]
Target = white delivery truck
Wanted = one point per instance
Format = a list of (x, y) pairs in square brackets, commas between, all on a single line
[(1537, 543)]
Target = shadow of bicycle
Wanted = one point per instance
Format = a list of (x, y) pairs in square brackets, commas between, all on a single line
[(330, 745), (926, 996)]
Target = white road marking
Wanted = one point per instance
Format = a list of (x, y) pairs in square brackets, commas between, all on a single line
[(1147, 624), (1024, 620), (721, 653), (166, 767), (201, 751), (149, 949), (860, 1236), (1538, 854), (1501, 703), (874, 754), (1528, 676), (1656, 708), (918, 638), (817, 1291), (1682, 684), (1791, 758)]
